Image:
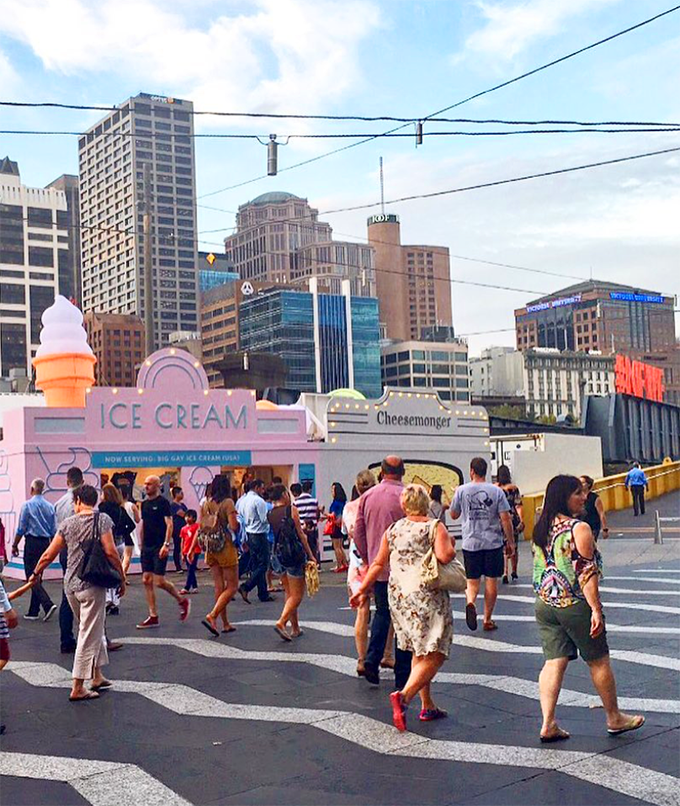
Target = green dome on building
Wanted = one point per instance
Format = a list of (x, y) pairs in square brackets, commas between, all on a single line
[(275, 197)]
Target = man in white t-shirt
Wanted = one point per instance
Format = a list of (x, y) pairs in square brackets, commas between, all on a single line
[(486, 522)]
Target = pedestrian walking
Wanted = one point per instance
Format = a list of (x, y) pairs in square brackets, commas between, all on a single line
[(308, 509), (156, 539), (568, 608), (486, 519), (191, 550), (88, 601), (514, 496), (636, 481), (593, 513), (422, 618), (333, 526), (253, 509), (132, 509), (64, 508), (37, 527), (217, 524), (436, 509), (380, 507), (111, 504), (178, 522), (8, 621), (291, 554)]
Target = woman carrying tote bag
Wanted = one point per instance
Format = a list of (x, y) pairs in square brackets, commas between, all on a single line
[(88, 601)]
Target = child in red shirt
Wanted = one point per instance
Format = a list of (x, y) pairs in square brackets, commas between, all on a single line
[(190, 550)]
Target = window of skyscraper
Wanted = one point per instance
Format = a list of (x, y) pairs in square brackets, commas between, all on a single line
[(39, 217), (40, 256)]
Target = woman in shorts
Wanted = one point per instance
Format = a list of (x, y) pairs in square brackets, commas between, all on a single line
[(568, 608)]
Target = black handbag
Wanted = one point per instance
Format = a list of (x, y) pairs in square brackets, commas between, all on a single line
[(95, 566)]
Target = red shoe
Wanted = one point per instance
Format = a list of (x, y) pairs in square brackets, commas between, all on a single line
[(398, 710), (150, 621), (184, 609)]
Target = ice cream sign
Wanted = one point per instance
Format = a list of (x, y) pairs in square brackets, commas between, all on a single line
[(168, 416)]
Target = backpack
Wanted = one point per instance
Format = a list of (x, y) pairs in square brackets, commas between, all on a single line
[(211, 536), (288, 548)]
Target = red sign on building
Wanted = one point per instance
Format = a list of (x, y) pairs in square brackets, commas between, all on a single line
[(638, 379)]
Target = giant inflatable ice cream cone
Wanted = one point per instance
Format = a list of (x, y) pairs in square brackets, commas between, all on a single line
[(64, 362)]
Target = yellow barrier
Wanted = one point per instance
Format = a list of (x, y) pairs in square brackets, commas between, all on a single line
[(662, 479)]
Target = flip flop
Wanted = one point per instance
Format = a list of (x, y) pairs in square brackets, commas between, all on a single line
[(209, 627), (229, 629), (298, 634), (101, 686), (559, 736), (89, 695), (471, 616), (490, 625), (635, 723), (282, 633)]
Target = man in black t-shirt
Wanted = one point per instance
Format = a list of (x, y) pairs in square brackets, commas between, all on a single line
[(155, 537)]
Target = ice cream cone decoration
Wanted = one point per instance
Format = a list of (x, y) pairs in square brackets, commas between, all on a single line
[(64, 362)]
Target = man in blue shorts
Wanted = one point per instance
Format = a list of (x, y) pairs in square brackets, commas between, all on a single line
[(485, 520)]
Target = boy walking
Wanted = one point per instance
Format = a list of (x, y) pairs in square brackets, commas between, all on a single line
[(191, 551)]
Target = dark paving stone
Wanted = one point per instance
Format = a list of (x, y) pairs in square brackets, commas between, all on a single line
[(31, 792)]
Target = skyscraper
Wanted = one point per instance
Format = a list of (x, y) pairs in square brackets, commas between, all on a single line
[(413, 282), (33, 253), (70, 274), (147, 138), (279, 239)]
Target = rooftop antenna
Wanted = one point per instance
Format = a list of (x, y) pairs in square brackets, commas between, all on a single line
[(382, 188)]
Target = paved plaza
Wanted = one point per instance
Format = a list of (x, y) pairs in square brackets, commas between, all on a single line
[(247, 719)]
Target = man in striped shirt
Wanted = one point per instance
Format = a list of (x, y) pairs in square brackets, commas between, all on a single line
[(308, 510)]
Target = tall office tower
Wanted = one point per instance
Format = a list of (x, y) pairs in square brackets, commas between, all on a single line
[(413, 282), (280, 239), (33, 253), (147, 136), (70, 275), (117, 341)]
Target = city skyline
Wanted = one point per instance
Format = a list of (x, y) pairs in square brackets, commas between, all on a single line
[(613, 222)]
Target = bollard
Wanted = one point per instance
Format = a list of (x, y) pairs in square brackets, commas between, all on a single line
[(658, 537)]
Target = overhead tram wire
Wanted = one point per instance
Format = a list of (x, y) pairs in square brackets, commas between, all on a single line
[(458, 103)]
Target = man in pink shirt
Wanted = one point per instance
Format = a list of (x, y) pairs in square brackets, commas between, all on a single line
[(379, 508)]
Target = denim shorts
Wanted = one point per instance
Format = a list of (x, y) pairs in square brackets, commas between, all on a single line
[(293, 571)]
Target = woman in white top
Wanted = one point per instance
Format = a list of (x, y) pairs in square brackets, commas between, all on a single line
[(133, 512)]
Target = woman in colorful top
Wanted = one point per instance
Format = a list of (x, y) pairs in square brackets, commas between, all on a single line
[(333, 525), (568, 609), (514, 496)]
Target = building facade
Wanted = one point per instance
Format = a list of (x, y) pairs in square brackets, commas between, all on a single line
[(70, 273), (219, 327), (117, 341), (413, 282), (327, 341), (442, 366), (33, 253), (214, 270), (151, 131), (497, 372), (596, 315), (279, 239)]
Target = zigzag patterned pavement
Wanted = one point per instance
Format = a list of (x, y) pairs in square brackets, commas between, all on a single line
[(247, 719)]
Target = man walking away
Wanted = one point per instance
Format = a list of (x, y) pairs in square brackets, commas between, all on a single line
[(37, 525), (486, 519), (379, 508), (253, 509), (178, 523), (155, 537), (64, 509), (308, 510), (636, 482)]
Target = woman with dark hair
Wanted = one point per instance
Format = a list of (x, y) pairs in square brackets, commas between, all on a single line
[(87, 601), (594, 514), (218, 517), (514, 496), (437, 510), (334, 526), (111, 504), (568, 608), (132, 510)]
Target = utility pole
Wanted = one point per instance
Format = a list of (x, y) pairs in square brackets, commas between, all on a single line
[(148, 271)]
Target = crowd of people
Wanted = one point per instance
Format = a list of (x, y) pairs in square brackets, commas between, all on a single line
[(392, 531)]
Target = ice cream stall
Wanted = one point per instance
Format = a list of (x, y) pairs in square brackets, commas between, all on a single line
[(173, 425)]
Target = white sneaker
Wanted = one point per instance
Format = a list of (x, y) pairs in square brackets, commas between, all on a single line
[(50, 613), (31, 618)]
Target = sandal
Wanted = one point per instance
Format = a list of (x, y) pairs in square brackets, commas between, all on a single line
[(634, 723), (101, 686), (282, 633), (558, 736), (230, 628), (209, 627), (88, 695), (471, 616), (490, 625)]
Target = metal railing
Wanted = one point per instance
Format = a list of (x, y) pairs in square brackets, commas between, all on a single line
[(649, 478), (658, 521)]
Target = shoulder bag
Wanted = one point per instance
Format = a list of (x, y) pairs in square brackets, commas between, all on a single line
[(442, 576), (95, 567)]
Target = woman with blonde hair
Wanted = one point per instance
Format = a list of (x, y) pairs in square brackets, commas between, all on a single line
[(422, 617)]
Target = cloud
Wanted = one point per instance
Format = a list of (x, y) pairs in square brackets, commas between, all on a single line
[(510, 28), (9, 79), (273, 54)]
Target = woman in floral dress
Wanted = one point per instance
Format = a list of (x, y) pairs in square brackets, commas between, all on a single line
[(422, 617)]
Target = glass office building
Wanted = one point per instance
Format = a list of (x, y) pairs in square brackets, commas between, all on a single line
[(311, 334)]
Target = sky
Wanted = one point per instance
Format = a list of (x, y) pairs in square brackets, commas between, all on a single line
[(401, 58)]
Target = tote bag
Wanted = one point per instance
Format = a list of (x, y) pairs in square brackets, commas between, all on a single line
[(442, 576), (95, 566)]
